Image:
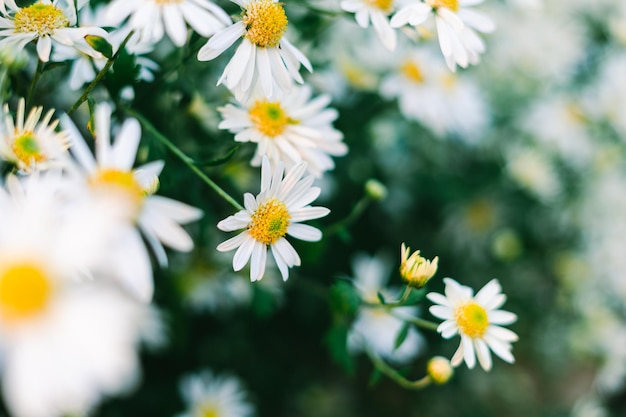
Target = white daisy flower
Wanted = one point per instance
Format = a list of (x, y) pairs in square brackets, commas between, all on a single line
[(154, 18), (128, 195), (65, 342), (32, 144), (441, 101), (376, 11), (216, 396), (456, 25), (477, 320), (291, 129), (265, 58), (46, 21), (277, 211), (377, 328)]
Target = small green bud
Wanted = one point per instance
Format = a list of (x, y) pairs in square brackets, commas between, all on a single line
[(375, 189)]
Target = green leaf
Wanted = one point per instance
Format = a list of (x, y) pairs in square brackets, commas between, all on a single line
[(219, 160), (336, 339), (381, 298), (344, 298), (100, 44), (374, 378), (401, 336)]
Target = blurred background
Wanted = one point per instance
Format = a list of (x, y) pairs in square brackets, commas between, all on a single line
[(515, 171)]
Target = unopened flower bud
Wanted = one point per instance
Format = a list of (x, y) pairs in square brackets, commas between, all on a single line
[(439, 370), (375, 189), (416, 270)]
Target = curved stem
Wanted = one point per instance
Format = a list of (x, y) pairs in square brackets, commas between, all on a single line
[(101, 74), (184, 157), (394, 375), (416, 321), (34, 82), (356, 212)]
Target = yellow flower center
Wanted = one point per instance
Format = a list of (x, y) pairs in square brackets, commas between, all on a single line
[(411, 71), (384, 5), (209, 410), (120, 183), (269, 118), (269, 222), (266, 23), (41, 18), (480, 216), (472, 319), (24, 291), (26, 148), (450, 4)]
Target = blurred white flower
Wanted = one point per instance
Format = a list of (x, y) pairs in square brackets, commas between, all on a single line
[(277, 211), (128, 195), (291, 129), (65, 342), (443, 102), (32, 144), (45, 21), (376, 11), (265, 59), (209, 395), (377, 328), (154, 18), (477, 320), (456, 25), (533, 171)]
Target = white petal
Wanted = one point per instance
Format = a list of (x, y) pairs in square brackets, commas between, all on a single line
[(257, 262), (304, 232), (233, 242), (243, 253), (502, 317), (483, 354)]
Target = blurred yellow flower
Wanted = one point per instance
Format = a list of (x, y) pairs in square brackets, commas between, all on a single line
[(416, 270)]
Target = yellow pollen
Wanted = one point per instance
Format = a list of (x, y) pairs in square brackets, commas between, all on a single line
[(266, 23), (472, 319), (269, 222), (450, 4), (121, 182), (384, 5), (209, 411), (269, 118), (26, 148), (24, 291), (411, 71), (41, 18)]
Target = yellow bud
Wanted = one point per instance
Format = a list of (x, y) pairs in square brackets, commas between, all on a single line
[(439, 370), (414, 269)]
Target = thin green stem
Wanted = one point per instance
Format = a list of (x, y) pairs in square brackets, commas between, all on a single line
[(184, 157), (394, 375), (416, 321), (356, 212), (400, 302), (101, 74), (33, 84)]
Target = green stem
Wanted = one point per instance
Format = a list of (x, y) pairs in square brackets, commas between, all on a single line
[(394, 375), (416, 321), (101, 74), (356, 212), (34, 83), (399, 303), (184, 157)]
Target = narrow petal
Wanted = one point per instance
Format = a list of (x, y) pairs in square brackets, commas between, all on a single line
[(232, 243), (304, 232), (243, 253)]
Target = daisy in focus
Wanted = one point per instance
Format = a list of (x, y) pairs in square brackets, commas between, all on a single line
[(293, 129), (277, 211), (66, 342), (32, 144), (376, 11), (154, 18), (456, 25), (477, 319), (44, 22), (216, 396), (128, 195), (264, 58), (377, 328)]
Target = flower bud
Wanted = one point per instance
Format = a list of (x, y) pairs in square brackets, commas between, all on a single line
[(375, 189), (414, 269), (439, 370)]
